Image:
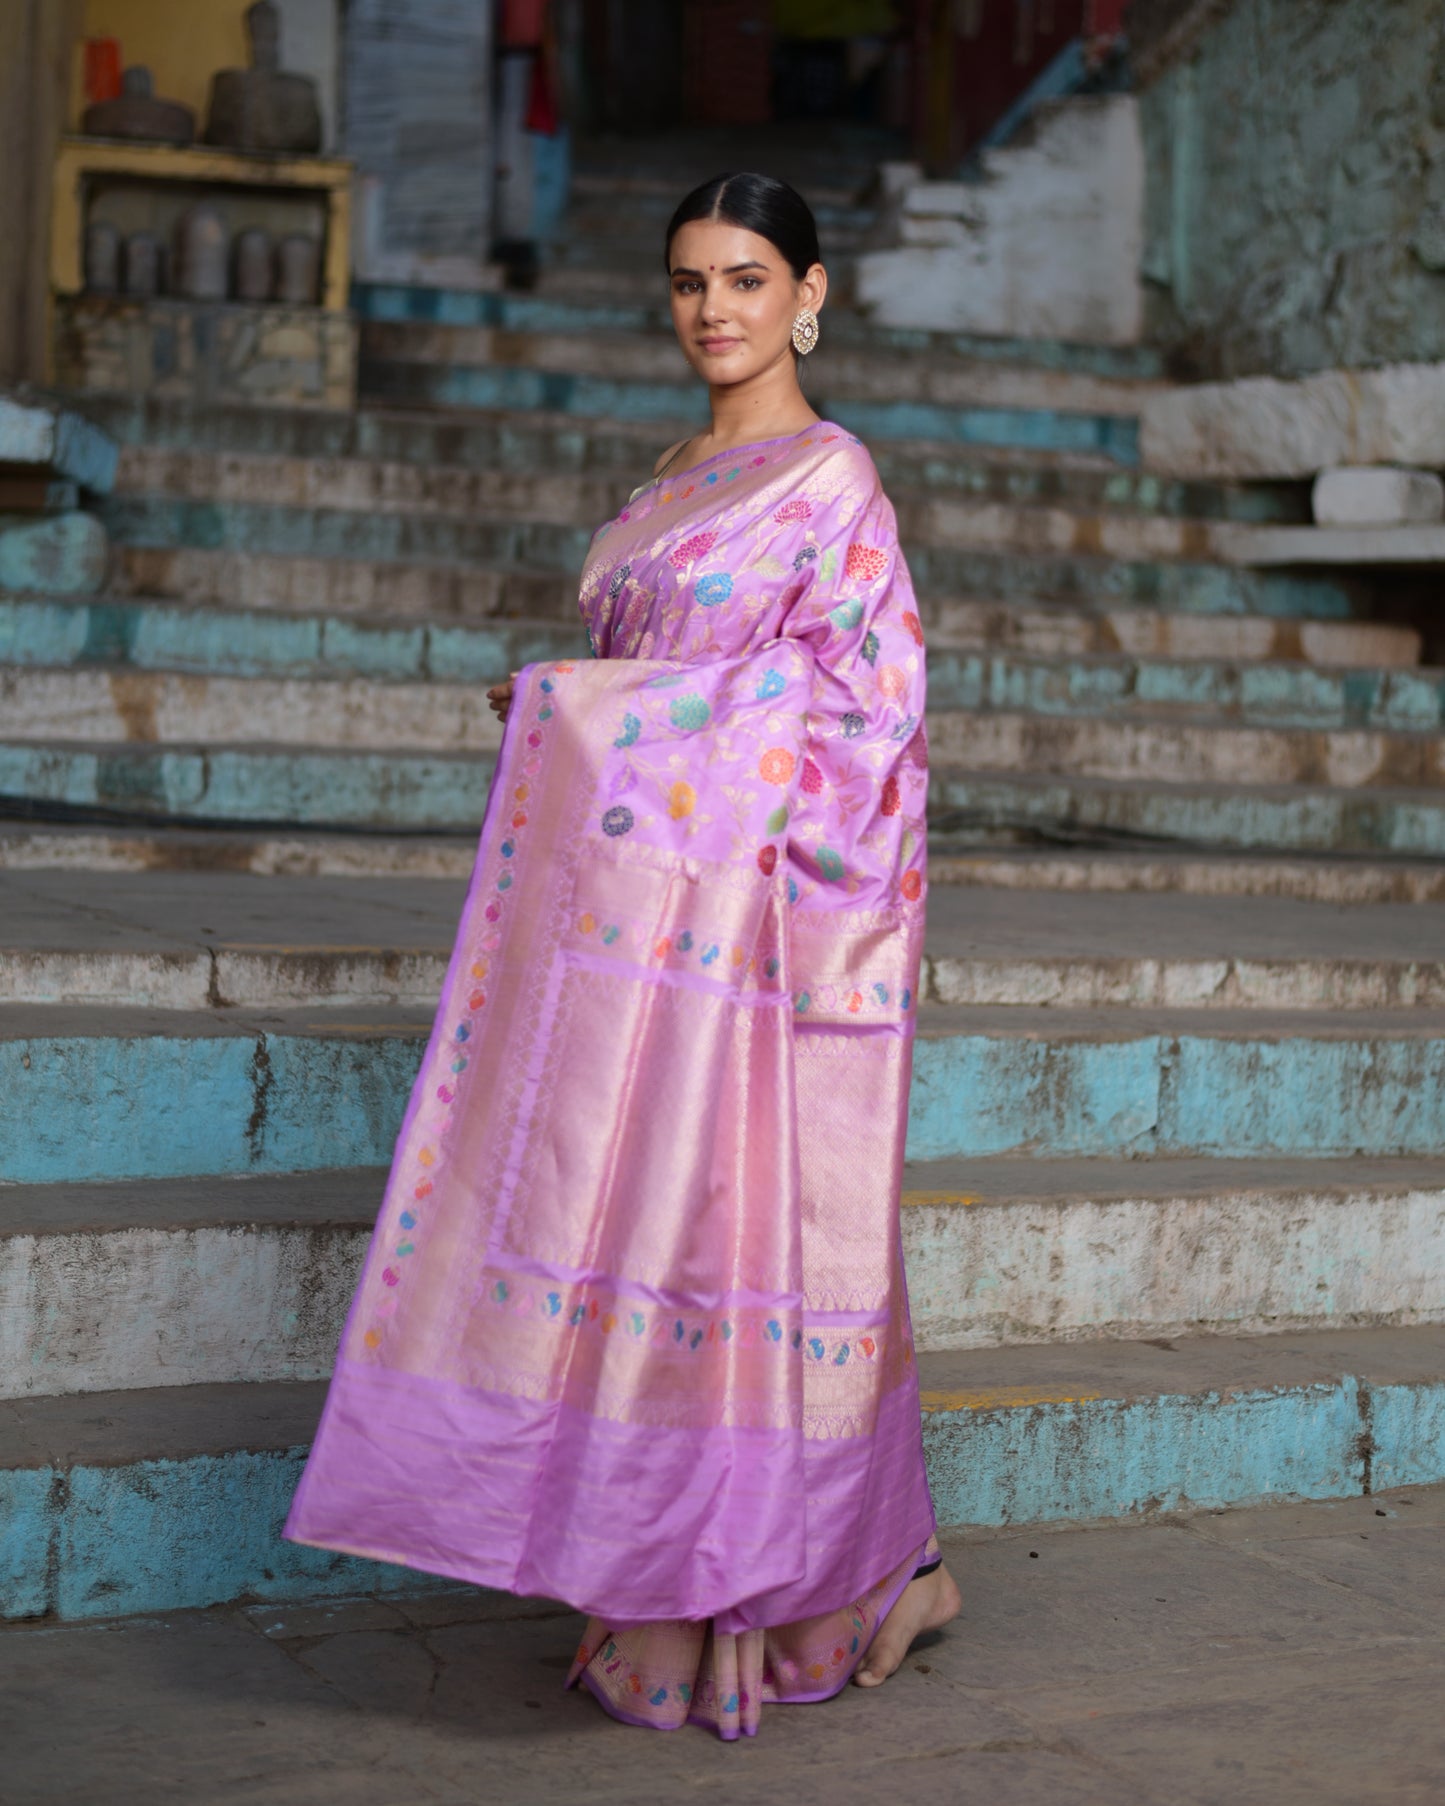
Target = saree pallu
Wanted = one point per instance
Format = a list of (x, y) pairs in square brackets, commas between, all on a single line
[(633, 1332)]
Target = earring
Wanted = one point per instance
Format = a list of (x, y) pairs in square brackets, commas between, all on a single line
[(805, 331)]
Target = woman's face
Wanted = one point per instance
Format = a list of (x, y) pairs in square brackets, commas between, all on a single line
[(734, 300)]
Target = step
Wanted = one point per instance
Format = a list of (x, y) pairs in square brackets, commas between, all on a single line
[(69, 654), (200, 940), (184, 1282), (160, 743), (1255, 693), (311, 1087), (678, 406), (167, 1498), (398, 303), (136, 635), (993, 500), (278, 455), (302, 788), (344, 586), (149, 633), (1338, 879), (240, 556), (58, 847), (89, 705), (954, 546), (54, 554), (346, 533), (841, 371), (969, 809), (1154, 744), (41, 435), (1325, 877), (244, 786)]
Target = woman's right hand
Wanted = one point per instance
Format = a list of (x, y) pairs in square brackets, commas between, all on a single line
[(500, 697)]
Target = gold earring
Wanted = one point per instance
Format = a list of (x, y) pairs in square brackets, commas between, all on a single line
[(805, 331)]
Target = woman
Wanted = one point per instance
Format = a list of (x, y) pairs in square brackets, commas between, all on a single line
[(633, 1330)]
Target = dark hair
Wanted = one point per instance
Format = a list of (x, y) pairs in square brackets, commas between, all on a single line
[(760, 204)]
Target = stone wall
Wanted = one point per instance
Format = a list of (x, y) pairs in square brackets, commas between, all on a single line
[(1295, 210)]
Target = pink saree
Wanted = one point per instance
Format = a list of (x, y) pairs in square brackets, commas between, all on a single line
[(633, 1331)]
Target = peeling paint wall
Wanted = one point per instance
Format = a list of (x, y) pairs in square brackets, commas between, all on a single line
[(1295, 209)]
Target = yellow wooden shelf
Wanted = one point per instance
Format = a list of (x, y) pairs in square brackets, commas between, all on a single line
[(78, 159)]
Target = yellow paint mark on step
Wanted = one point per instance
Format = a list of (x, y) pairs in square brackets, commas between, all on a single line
[(998, 1398), (914, 1198)]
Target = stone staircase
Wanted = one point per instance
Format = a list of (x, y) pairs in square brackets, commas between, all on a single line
[(1175, 1211)]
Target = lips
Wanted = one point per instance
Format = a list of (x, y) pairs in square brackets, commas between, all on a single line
[(719, 344)]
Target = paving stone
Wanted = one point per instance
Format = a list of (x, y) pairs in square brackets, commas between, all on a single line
[(1061, 1685)]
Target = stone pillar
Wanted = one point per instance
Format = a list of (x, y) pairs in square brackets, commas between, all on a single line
[(37, 42)]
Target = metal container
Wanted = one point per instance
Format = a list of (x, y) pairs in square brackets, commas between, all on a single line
[(298, 265), (200, 254)]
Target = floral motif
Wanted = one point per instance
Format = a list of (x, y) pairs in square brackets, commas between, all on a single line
[(631, 728), (689, 712), (681, 800), (870, 646), (798, 509), (812, 779), (697, 546), (618, 578), (712, 589), (768, 861), (893, 682), (911, 887), (892, 795), (772, 683), (777, 765), (830, 864), (914, 626), (865, 563), (804, 555), (852, 725), (846, 615), (618, 820)]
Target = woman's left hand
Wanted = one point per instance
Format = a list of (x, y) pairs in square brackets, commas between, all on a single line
[(500, 697)]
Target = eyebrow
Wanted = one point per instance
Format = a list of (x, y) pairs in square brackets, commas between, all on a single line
[(733, 269)]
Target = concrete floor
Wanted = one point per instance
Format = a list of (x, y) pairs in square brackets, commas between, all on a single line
[(1293, 1656)]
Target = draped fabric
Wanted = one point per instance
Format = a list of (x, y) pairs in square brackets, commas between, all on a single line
[(632, 1332)]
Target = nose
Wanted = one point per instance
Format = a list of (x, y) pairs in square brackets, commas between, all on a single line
[(714, 305)]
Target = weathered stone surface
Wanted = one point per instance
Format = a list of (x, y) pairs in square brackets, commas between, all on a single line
[(1261, 427), (1295, 161), (1377, 495), (205, 353), (56, 555), (41, 436), (1046, 247)]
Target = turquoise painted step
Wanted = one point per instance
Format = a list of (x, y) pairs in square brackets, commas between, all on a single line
[(1279, 693), (499, 386), (418, 538), (157, 636), (163, 1094), (1173, 587), (967, 809), (343, 533), (398, 303), (410, 792), (416, 792), (178, 1496), (57, 554), (526, 441)]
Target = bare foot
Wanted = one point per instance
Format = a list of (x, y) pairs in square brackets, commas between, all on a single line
[(926, 1604)]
